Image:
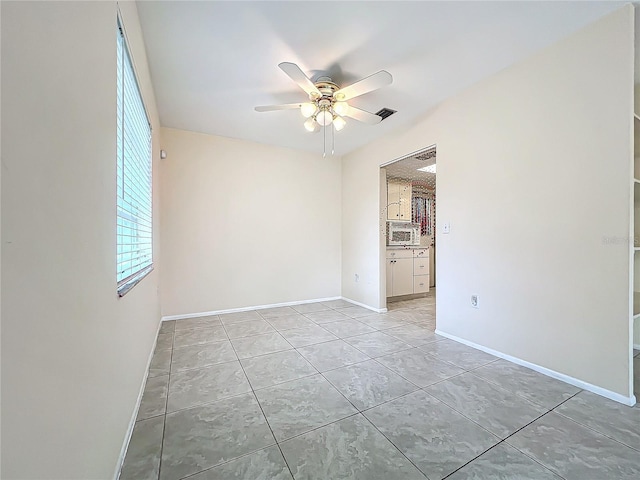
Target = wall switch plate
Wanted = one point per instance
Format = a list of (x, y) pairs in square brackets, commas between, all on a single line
[(446, 228), (475, 301), (357, 277)]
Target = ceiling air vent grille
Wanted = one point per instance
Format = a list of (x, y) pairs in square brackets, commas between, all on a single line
[(385, 112)]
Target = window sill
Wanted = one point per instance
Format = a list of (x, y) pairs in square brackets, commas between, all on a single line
[(126, 287)]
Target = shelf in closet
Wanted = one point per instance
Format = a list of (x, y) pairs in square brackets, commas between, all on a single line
[(636, 304)]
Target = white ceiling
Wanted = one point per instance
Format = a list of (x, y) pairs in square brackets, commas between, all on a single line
[(407, 168), (212, 62)]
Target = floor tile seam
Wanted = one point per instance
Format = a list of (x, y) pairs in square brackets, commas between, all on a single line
[(279, 442), (342, 394), (319, 343), (393, 371), (516, 393), (593, 429), (255, 334), (506, 443), (229, 460), (166, 403), (266, 420), (390, 400), (386, 353), (203, 327), (203, 343), (201, 367), (474, 459), (474, 421), (394, 445), (283, 383), (505, 440), (454, 364), (336, 368), (498, 386), (373, 406), (206, 404)]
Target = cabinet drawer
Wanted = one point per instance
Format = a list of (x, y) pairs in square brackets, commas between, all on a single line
[(420, 283), (421, 252), (399, 253), (421, 266)]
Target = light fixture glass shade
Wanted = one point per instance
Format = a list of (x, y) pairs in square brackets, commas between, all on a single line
[(324, 118), (310, 125), (341, 108), (339, 123), (308, 109)]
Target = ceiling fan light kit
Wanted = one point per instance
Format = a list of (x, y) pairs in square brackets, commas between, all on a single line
[(327, 103)]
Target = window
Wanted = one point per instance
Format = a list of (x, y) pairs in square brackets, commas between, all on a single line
[(134, 203)]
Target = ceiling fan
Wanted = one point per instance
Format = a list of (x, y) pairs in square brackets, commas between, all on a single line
[(327, 103)]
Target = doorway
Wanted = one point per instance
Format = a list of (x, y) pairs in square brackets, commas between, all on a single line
[(408, 225)]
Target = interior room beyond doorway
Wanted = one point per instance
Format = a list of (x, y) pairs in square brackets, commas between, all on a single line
[(408, 212)]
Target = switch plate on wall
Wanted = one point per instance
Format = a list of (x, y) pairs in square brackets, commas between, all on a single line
[(446, 227)]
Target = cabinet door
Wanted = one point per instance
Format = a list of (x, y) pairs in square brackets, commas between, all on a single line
[(393, 199), (403, 276), (404, 200), (390, 276)]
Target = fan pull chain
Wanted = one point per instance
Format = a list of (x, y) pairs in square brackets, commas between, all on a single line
[(324, 142), (333, 139)]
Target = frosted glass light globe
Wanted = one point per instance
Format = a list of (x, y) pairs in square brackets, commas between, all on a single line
[(339, 123), (324, 118), (307, 109)]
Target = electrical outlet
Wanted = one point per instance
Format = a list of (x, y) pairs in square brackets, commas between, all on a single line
[(357, 278), (475, 301)]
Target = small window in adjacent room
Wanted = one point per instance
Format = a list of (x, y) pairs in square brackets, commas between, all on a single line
[(134, 196)]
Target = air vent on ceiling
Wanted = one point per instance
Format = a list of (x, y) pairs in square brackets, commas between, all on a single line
[(426, 155), (385, 112)]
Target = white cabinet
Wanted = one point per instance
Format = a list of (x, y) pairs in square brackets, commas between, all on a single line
[(407, 271), (399, 200), (400, 270)]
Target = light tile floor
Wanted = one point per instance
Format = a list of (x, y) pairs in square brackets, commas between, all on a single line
[(333, 391)]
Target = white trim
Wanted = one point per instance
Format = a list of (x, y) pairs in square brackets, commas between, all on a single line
[(630, 401), (132, 422), (373, 309), (181, 316), (403, 157)]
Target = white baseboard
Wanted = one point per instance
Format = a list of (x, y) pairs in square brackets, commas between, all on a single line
[(132, 422), (630, 401), (368, 307), (244, 309)]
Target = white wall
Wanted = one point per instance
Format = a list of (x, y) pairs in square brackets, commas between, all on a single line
[(533, 172), (246, 224), (73, 354)]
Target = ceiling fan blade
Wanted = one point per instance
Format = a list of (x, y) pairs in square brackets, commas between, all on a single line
[(366, 85), (270, 108), (298, 76), (363, 116)]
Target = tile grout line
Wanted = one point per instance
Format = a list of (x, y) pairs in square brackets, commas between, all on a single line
[(253, 392), (166, 402), (504, 440), (591, 428), (358, 411), (394, 445)]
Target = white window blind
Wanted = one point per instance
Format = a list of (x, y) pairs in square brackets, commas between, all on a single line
[(134, 197)]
